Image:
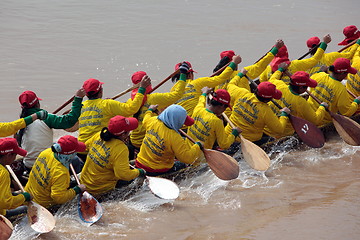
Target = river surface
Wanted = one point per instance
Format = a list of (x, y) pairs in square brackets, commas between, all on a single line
[(51, 47)]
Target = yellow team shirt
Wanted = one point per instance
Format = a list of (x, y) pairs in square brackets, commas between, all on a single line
[(49, 181), (208, 127), (96, 113), (334, 93), (298, 105), (162, 144), (106, 163), (353, 82), (297, 65), (10, 128), (7, 200), (193, 88), (163, 100), (251, 115)]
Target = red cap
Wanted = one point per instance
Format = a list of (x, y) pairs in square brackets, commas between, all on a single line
[(312, 42), (10, 145), (268, 90), (276, 61), (92, 85), (119, 124), (28, 99), (302, 78), (342, 65), (137, 76), (189, 121), (228, 54), (351, 33), (188, 63), (222, 96), (70, 144)]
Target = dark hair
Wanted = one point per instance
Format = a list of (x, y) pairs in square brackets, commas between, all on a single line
[(24, 113), (225, 60), (313, 51), (332, 68), (213, 102), (93, 94), (106, 135)]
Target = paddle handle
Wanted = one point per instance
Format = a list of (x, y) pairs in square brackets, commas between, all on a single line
[(186, 135), (164, 81), (312, 49), (351, 93), (125, 91), (349, 45), (74, 173), (228, 120), (219, 71), (64, 105), (15, 178)]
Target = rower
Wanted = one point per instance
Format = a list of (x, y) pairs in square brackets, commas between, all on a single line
[(96, 112), (351, 33), (299, 82), (9, 148), (107, 164), (49, 179), (294, 65), (163, 143), (353, 82), (163, 100), (333, 92), (252, 114), (208, 127), (39, 136)]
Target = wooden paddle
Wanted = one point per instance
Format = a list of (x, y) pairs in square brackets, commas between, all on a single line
[(224, 166), (89, 209), (348, 45), (308, 132), (6, 228), (40, 219), (162, 188), (351, 93), (255, 156), (348, 129)]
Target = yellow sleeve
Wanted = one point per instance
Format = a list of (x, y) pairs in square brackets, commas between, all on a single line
[(201, 104), (256, 69), (309, 114), (329, 58), (127, 109), (166, 99), (59, 187), (122, 168), (266, 74), (182, 151), (235, 87), (222, 138), (7, 200), (306, 64), (275, 76), (10, 128), (147, 116), (345, 106), (275, 124), (212, 82)]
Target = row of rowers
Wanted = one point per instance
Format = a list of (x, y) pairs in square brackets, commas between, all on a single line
[(102, 151)]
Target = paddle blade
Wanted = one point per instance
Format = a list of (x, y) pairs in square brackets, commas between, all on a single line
[(254, 155), (163, 188), (6, 228), (40, 219), (224, 166), (89, 208), (308, 132), (348, 129)]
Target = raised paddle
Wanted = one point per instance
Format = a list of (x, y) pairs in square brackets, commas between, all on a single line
[(6, 228), (348, 129), (253, 154), (40, 219), (89, 209), (308, 132), (224, 166), (162, 188)]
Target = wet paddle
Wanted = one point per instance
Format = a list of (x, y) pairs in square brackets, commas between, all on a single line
[(162, 188), (224, 166), (308, 132), (348, 129), (253, 154), (6, 228), (89, 209), (40, 219)]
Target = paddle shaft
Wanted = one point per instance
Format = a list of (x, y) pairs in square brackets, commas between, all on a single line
[(186, 135), (15, 178), (64, 105), (351, 93), (74, 173), (125, 91), (348, 45), (312, 49)]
